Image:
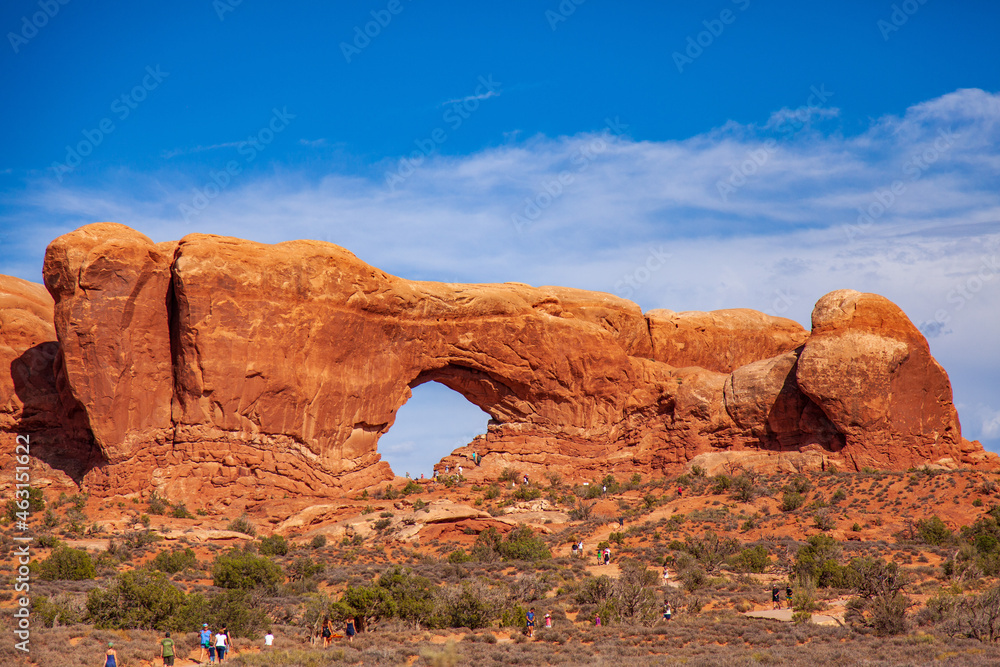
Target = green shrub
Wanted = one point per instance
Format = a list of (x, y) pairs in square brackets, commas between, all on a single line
[(721, 483), (60, 609), (791, 501), (527, 493), (173, 562), (933, 531), (180, 511), (141, 599), (800, 484), (318, 542), (275, 545), (303, 568), (459, 556), (411, 488), (156, 504), (510, 475), (519, 544), (751, 559), (66, 563), (34, 503), (243, 525), (238, 569)]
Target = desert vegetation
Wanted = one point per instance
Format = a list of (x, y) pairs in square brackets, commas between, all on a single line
[(874, 580)]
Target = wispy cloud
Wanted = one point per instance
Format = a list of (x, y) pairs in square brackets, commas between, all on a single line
[(197, 149), (469, 98)]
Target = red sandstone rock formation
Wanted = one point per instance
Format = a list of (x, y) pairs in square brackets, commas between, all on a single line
[(216, 365)]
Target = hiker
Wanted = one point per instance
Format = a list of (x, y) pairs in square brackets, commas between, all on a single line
[(167, 650), (407, 475), (604, 489), (222, 644), (327, 632), (349, 630), (776, 597), (526, 480), (459, 471), (574, 549), (607, 555), (666, 574), (667, 612), (531, 622), (581, 549), (207, 650), (268, 639), (111, 656), (788, 595), (597, 621), (621, 522), (548, 619)]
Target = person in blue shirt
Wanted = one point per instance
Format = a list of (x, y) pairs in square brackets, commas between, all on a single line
[(531, 622), (206, 644)]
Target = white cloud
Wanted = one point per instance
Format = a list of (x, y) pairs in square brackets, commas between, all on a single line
[(749, 217)]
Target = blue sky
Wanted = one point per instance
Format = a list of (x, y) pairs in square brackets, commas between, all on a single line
[(774, 151)]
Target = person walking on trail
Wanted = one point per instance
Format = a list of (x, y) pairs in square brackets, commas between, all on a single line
[(548, 619), (621, 522), (575, 549), (531, 623), (349, 630), (788, 595), (167, 650), (327, 632), (268, 639), (207, 650), (222, 644), (607, 555), (580, 549), (667, 612), (111, 656), (597, 621), (776, 597)]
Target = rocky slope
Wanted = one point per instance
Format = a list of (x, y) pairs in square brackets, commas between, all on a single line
[(215, 365)]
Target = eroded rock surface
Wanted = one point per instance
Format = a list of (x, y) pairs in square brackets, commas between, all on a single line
[(218, 365)]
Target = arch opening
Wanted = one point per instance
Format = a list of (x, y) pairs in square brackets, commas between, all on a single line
[(435, 421)]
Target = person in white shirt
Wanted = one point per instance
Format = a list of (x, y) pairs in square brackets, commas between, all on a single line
[(268, 639), (221, 644)]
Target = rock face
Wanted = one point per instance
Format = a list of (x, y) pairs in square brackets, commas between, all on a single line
[(216, 366), (35, 402)]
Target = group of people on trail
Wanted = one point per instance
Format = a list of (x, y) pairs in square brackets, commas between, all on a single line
[(327, 631), (776, 596), (214, 645)]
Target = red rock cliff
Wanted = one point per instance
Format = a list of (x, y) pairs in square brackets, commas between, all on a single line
[(220, 365)]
